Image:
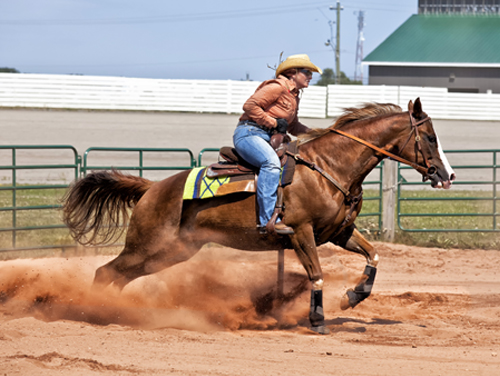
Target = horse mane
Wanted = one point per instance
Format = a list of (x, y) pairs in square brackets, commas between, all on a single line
[(351, 114)]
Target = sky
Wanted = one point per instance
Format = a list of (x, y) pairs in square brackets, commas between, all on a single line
[(188, 39)]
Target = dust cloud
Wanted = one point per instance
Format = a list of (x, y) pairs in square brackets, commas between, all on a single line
[(203, 294)]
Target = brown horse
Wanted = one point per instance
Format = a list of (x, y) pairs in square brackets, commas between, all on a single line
[(321, 206)]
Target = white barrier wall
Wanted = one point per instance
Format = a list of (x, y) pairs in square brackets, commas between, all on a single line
[(121, 93), (437, 102)]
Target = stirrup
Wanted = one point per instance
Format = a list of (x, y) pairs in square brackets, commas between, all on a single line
[(273, 226)]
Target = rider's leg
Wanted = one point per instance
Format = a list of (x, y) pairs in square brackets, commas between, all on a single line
[(253, 145)]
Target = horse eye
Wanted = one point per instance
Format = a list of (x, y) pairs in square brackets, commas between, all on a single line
[(432, 139)]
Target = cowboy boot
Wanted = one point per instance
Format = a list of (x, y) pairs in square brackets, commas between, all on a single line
[(279, 228)]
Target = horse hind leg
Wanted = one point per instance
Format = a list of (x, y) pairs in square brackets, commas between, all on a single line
[(134, 262), (104, 276), (358, 244), (118, 272)]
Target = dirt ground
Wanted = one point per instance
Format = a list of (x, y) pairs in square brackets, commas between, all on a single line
[(432, 312)]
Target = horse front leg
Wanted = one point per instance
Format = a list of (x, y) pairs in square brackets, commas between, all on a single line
[(305, 247), (352, 240)]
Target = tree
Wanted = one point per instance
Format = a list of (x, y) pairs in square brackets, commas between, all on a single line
[(8, 70), (328, 78)]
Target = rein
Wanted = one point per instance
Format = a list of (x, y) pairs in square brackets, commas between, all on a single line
[(350, 199), (347, 194), (325, 174), (414, 128)]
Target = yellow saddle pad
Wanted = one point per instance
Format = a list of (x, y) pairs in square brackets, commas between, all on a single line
[(199, 186)]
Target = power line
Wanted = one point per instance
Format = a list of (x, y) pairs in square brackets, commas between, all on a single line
[(168, 18), (208, 61), (149, 64), (206, 16)]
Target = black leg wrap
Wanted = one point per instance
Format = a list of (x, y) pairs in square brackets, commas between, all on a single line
[(316, 315), (364, 289)]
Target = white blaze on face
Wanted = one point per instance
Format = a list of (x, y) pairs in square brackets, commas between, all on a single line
[(446, 164)]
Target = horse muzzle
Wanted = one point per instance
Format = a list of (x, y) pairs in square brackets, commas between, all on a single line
[(439, 179)]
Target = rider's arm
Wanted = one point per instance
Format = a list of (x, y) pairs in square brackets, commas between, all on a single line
[(296, 127), (255, 107)]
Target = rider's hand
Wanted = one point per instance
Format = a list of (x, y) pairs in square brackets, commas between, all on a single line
[(281, 125)]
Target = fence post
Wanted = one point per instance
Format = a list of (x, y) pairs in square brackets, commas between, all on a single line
[(389, 189)]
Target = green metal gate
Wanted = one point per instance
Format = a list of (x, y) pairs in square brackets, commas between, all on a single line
[(29, 209), (471, 206), (139, 156), (30, 217)]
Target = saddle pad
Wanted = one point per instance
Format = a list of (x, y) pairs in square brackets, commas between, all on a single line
[(199, 185)]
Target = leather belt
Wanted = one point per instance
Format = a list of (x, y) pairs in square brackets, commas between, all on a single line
[(254, 124)]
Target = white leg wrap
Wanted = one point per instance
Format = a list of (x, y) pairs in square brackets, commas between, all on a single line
[(318, 285)]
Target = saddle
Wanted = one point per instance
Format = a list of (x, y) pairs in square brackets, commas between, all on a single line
[(232, 164)]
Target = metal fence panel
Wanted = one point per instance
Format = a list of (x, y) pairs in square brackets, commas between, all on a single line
[(157, 162), (24, 212), (30, 210), (477, 195)]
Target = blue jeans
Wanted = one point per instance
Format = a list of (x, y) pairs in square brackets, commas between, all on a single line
[(252, 144)]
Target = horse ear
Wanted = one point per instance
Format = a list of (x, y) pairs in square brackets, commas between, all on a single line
[(417, 108), (410, 107)]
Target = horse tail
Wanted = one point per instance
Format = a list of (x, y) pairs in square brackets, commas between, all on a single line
[(96, 208)]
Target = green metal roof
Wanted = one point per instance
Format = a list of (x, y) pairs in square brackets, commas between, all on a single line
[(442, 39)]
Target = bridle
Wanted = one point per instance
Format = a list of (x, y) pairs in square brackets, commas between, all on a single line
[(427, 171), (352, 200)]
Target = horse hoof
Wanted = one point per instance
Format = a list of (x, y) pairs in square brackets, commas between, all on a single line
[(320, 329)]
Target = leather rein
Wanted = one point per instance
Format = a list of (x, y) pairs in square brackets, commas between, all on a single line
[(414, 129), (429, 170)]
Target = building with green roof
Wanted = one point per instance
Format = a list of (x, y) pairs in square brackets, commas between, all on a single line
[(459, 51)]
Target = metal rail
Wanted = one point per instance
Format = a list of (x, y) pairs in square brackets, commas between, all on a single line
[(32, 207), (11, 223), (476, 203)]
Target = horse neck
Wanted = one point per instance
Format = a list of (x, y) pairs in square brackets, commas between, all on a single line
[(350, 162)]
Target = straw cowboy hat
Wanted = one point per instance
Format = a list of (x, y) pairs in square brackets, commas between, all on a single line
[(297, 61)]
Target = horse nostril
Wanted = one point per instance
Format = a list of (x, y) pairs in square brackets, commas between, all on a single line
[(452, 177)]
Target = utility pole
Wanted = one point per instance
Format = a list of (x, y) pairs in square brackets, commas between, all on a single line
[(329, 42), (359, 48), (337, 45)]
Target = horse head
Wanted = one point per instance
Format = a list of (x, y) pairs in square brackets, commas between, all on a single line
[(427, 148)]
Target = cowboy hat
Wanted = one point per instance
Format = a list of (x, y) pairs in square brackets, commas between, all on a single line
[(297, 61)]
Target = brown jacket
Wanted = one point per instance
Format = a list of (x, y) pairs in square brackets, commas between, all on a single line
[(275, 99)]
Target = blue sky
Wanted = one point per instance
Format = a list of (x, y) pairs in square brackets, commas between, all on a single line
[(189, 39)]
